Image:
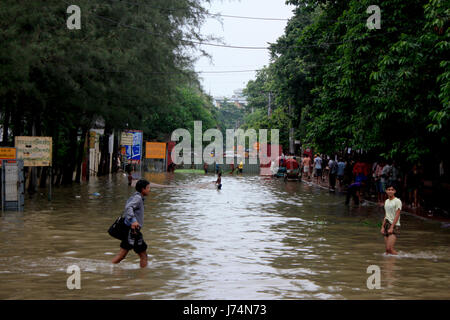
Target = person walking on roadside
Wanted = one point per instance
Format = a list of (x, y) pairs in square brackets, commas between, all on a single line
[(391, 222), (358, 171), (379, 183), (354, 191), (332, 164), (385, 176), (394, 179), (340, 172), (218, 182), (413, 184), (134, 220), (241, 166), (348, 172), (232, 168), (318, 167), (372, 182), (128, 170), (306, 166), (325, 168)]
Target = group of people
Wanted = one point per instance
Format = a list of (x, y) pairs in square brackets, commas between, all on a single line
[(363, 178), (321, 167), (383, 176)]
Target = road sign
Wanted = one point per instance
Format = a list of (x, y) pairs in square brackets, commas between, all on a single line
[(8, 153), (134, 149), (126, 138), (155, 150), (35, 151)]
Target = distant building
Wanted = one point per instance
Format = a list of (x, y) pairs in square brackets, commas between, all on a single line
[(237, 98)]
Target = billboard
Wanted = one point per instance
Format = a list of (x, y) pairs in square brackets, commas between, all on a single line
[(155, 150), (7, 153), (134, 150), (35, 151), (126, 139)]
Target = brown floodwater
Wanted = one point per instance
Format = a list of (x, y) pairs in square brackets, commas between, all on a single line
[(257, 238)]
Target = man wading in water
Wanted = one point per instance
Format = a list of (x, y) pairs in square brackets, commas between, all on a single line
[(134, 220), (391, 221)]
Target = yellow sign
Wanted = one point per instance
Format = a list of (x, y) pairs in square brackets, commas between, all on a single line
[(155, 150), (126, 139), (35, 151), (7, 153)]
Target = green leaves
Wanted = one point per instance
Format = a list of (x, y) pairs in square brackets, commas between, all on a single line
[(128, 66), (385, 91)]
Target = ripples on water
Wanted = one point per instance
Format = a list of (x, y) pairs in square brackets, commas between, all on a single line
[(257, 238)]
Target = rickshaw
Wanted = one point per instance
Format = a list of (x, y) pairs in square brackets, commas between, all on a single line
[(278, 167), (292, 169)]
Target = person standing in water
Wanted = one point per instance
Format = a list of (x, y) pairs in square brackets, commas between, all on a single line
[(232, 168), (391, 221), (219, 181), (241, 166), (306, 162), (134, 220), (318, 167), (128, 170)]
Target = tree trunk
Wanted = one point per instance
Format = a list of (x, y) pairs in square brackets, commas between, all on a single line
[(43, 180), (17, 121), (6, 118), (58, 177), (104, 156), (115, 168), (70, 159), (81, 154)]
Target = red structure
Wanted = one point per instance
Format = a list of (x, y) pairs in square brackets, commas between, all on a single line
[(170, 146)]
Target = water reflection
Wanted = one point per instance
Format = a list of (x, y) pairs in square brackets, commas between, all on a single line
[(257, 238)]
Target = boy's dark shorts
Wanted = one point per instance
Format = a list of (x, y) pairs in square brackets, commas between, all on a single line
[(387, 225), (318, 172), (139, 244)]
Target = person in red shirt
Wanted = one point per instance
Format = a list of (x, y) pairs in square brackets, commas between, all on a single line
[(358, 168)]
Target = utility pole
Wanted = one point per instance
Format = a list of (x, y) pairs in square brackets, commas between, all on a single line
[(269, 111)]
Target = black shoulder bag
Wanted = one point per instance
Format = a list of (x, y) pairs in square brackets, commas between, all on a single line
[(118, 229)]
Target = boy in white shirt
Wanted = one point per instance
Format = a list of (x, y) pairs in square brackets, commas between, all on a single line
[(391, 221)]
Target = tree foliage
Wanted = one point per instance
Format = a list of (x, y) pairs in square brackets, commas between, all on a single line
[(129, 66), (385, 91)]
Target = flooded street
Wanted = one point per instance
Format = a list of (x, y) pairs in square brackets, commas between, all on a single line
[(257, 238)]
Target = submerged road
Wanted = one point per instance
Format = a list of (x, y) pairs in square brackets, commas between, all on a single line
[(257, 238)]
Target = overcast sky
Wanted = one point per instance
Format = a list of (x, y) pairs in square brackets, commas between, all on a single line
[(240, 32)]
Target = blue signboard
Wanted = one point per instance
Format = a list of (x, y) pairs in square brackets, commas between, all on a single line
[(134, 152)]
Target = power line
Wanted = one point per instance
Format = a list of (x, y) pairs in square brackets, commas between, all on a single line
[(176, 72), (363, 18), (243, 47), (182, 40), (248, 18), (234, 46), (207, 13)]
